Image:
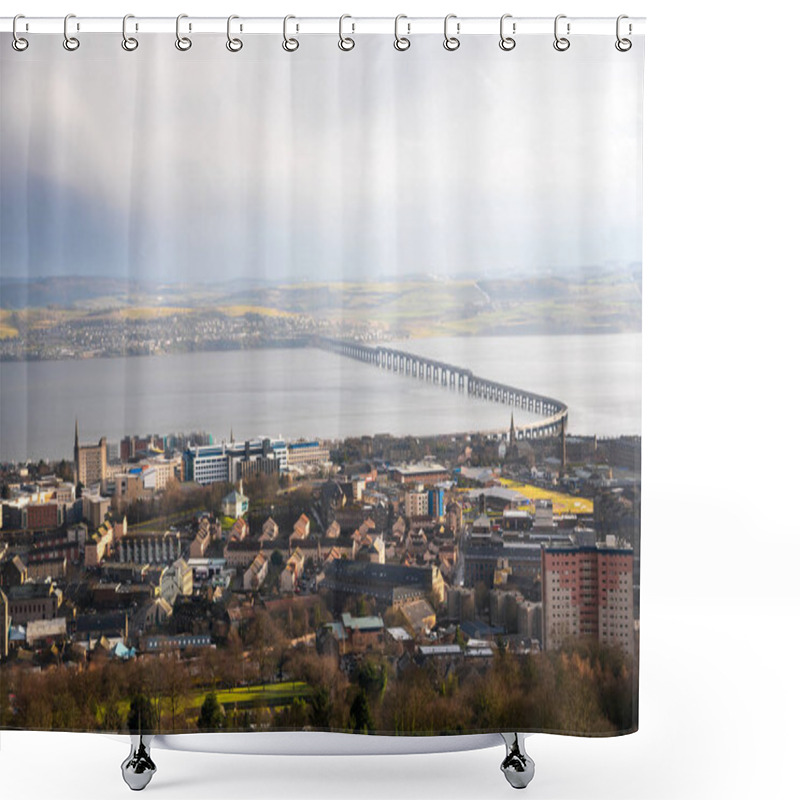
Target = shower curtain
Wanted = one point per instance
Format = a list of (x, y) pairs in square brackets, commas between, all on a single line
[(320, 366)]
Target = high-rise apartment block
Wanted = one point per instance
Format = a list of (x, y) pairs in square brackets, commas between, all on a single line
[(90, 461), (587, 592)]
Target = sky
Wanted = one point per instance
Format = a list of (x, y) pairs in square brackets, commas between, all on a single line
[(319, 164)]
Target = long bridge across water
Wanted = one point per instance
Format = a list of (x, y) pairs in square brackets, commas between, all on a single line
[(553, 412)]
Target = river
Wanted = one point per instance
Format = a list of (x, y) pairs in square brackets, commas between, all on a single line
[(306, 392)]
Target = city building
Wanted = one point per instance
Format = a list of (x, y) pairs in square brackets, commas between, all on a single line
[(42, 632), (233, 461), (436, 507), (5, 623), (47, 568), (235, 504), (201, 541), (240, 554), (363, 634), (150, 548), (416, 503), (306, 454), (544, 514), (95, 509), (98, 546), (460, 603), (13, 572), (176, 581), (33, 601), (424, 473), (419, 615), (90, 461), (587, 592), (182, 641), (529, 620), (43, 516), (388, 583)]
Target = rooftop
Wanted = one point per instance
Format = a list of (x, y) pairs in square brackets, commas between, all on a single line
[(419, 468), (362, 623), (440, 650)]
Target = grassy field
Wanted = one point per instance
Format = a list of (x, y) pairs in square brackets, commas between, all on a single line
[(268, 694), (562, 503)]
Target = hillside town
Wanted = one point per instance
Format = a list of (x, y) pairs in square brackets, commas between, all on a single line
[(274, 584)]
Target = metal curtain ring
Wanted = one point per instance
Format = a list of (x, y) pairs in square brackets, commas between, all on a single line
[(561, 43), (233, 44), (345, 42), (451, 42), (401, 42), (129, 43), (70, 42), (181, 42), (623, 45), (289, 45), (506, 42), (18, 43)]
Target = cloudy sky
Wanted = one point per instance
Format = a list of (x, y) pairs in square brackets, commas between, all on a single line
[(318, 164)]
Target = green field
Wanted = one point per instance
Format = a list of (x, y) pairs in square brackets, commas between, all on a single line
[(268, 694)]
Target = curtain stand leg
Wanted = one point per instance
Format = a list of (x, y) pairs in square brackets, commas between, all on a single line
[(138, 768), (517, 766)]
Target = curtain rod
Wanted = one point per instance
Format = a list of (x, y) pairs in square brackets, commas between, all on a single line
[(326, 25)]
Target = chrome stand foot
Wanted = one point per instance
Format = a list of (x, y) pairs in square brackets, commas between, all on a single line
[(138, 768), (517, 766)]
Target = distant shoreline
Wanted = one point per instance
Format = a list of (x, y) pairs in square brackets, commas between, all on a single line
[(284, 344)]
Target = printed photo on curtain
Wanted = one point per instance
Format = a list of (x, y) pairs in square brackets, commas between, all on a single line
[(320, 380)]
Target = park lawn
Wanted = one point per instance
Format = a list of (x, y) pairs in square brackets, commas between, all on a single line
[(272, 694), (562, 503)]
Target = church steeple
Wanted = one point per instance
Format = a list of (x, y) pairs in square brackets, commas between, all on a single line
[(77, 455), (512, 437)]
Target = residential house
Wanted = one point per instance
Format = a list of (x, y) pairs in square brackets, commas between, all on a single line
[(269, 531), (241, 554), (239, 530), (177, 580), (235, 504), (292, 572), (256, 573), (302, 529)]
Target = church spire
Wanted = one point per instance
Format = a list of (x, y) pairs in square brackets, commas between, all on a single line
[(511, 434), (76, 453)]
